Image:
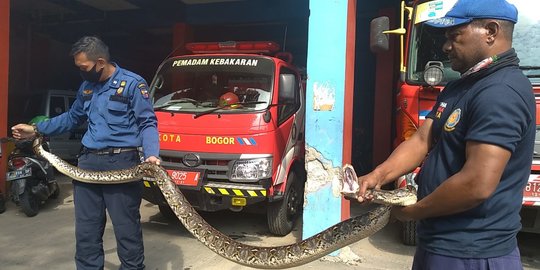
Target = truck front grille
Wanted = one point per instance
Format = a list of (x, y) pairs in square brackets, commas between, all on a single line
[(216, 166)]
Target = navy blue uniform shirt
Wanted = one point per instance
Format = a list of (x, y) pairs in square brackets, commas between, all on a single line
[(497, 107), (119, 114)]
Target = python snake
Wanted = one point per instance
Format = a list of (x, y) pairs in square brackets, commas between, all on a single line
[(314, 247)]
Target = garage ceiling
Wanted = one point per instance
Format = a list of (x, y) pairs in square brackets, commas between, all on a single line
[(63, 20), (190, 2)]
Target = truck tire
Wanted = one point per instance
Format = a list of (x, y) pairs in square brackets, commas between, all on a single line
[(167, 212), (29, 203), (408, 229), (282, 215)]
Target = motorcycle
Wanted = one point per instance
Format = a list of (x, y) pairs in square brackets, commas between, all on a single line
[(32, 179)]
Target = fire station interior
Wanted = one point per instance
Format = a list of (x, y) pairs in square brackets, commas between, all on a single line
[(140, 34)]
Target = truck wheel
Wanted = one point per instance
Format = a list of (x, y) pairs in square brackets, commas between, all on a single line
[(408, 229), (29, 203), (282, 214), (167, 212)]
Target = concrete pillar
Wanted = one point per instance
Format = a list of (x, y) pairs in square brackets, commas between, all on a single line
[(4, 67), (330, 70)]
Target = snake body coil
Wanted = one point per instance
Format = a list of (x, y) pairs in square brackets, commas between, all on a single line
[(323, 243)]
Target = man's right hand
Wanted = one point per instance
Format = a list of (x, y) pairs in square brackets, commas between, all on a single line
[(23, 131), (372, 180)]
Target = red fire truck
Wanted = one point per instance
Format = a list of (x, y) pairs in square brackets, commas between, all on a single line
[(231, 129), (425, 69)]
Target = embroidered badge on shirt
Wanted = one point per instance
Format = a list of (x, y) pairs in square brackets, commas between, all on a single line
[(144, 92), (440, 110), (453, 120), (87, 91)]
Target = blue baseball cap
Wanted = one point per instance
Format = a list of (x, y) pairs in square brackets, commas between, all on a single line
[(464, 11)]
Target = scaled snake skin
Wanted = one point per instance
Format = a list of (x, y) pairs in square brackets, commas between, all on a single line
[(272, 257)]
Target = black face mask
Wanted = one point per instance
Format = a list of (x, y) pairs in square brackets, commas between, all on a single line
[(92, 75)]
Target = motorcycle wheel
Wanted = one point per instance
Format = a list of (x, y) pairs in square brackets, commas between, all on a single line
[(29, 203), (56, 192), (2, 204)]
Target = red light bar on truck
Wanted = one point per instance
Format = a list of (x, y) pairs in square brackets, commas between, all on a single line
[(267, 47)]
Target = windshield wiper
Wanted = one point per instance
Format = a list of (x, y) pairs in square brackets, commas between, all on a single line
[(199, 114), (177, 101), (529, 67)]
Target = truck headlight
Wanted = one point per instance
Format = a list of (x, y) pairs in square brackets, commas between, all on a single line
[(433, 73), (251, 169)]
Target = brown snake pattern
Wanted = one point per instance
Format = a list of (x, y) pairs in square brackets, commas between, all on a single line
[(323, 243)]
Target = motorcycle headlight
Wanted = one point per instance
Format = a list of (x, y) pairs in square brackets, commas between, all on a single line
[(251, 170)]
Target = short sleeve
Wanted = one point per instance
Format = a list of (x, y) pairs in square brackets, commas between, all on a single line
[(498, 115)]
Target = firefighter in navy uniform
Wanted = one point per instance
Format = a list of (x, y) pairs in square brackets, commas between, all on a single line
[(121, 119)]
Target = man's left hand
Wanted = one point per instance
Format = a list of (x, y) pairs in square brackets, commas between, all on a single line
[(153, 159)]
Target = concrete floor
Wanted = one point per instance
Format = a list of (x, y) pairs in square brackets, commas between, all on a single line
[(46, 241)]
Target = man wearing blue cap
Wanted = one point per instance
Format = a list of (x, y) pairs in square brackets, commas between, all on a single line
[(475, 147)]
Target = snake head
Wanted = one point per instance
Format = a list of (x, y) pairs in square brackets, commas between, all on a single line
[(37, 143), (349, 182)]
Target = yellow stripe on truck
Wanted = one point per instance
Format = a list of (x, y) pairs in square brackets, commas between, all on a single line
[(209, 190), (235, 192)]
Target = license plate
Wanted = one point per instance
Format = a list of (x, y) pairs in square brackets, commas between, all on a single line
[(185, 178), (532, 190), (14, 175)]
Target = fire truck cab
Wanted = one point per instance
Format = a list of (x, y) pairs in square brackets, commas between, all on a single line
[(424, 70), (231, 129)]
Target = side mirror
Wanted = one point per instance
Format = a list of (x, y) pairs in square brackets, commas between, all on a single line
[(378, 40), (286, 87)]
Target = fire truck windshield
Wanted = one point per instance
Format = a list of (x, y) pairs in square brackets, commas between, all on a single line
[(426, 44), (194, 84), (526, 39)]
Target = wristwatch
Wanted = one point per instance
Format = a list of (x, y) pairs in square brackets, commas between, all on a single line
[(35, 129)]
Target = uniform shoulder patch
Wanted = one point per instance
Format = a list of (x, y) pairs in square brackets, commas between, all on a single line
[(144, 89)]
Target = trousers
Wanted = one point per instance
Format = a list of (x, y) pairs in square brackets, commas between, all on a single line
[(424, 260), (121, 201)]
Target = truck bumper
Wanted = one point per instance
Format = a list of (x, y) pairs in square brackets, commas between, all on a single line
[(212, 196), (530, 212)]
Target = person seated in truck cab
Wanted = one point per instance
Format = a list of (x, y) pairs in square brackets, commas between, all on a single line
[(212, 89)]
